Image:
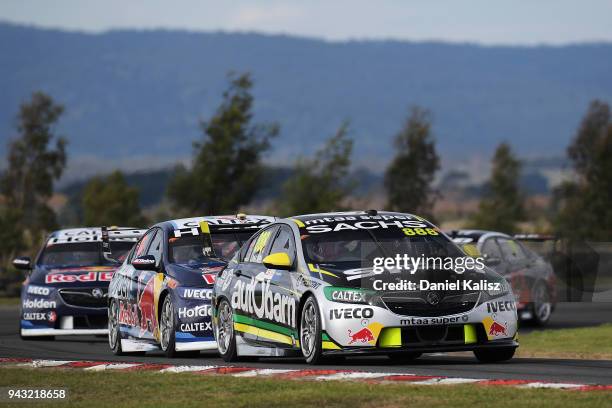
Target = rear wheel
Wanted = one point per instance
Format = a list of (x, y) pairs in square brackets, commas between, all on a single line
[(224, 332), (114, 336), (310, 332), (541, 306), (495, 355)]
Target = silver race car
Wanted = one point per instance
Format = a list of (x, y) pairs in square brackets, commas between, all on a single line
[(324, 285)]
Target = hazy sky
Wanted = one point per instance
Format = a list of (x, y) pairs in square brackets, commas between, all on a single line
[(481, 21)]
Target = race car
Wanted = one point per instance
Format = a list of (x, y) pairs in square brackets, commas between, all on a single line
[(313, 286), (160, 297), (532, 277), (66, 287)]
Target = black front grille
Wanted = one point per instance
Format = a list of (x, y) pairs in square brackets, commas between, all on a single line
[(418, 304), (84, 297), (432, 335)]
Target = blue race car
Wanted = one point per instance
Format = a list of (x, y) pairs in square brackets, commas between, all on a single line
[(66, 286), (160, 297)]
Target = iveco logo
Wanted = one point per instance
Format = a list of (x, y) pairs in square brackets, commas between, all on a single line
[(97, 293), (433, 298)]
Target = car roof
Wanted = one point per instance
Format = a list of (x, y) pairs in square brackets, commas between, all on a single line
[(94, 234), (338, 214), (474, 234), (219, 222)]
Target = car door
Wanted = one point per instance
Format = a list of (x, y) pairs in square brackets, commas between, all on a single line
[(139, 280), (245, 286), (277, 292)]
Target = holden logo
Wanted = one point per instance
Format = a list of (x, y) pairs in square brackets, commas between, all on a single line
[(97, 293), (433, 298)]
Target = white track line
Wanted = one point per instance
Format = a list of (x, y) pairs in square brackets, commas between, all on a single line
[(355, 375), (186, 369), (263, 372), (118, 366)]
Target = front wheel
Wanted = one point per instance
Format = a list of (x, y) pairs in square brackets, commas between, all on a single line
[(495, 355), (167, 329), (310, 332)]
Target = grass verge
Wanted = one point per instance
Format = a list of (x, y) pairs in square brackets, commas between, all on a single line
[(585, 342), (9, 301), (148, 389)]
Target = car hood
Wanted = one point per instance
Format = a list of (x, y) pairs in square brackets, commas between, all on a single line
[(198, 275)]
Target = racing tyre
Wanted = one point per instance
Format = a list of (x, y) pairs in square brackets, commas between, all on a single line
[(224, 332), (404, 357), (495, 355), (167, 333), (114, 335), (310, 332), (541, 306)]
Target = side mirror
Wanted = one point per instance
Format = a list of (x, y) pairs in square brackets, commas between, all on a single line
[(492, 261), (145, 263), (279, 260), (23, 262)]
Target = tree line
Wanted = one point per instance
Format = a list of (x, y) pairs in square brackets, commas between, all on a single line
[(227, 170)]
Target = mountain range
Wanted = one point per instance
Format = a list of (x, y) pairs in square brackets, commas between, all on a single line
[(134, 98)]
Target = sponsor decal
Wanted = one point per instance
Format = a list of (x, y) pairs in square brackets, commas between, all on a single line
[(196, 327), (49, 316), (350, 296), (363, 336), (143, 261), (38, 290), (501, 306), (39, 304), (146, 305), (272, 306), (82, 277), (364, 225), (198, 311), (192, 293), (128, 314), (495, 328), (419, 321), (209, 278), (351, 313)]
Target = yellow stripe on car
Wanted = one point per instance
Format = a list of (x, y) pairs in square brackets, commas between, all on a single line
[(322, 271), (263, 333)]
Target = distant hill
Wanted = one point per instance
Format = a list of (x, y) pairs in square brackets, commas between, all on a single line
[(139, 94)]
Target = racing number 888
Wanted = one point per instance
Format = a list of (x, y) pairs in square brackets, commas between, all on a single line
[(420, 231)]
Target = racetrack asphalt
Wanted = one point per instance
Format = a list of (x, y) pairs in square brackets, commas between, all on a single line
[(554, 370)]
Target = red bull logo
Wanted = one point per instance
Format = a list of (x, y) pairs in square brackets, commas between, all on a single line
[(146, 305), (364, 335), (497, 329)]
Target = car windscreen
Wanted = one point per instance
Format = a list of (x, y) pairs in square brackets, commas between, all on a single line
[(82, 254), (362, 246), (189, 250)]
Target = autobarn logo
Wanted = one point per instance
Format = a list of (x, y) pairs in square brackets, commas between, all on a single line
[(500, 306), (272, 306), (39, 304), (78, 277), (351, 313), (198, 311), (38, 290)]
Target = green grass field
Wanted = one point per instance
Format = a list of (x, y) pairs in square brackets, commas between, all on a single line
[(148, 389), (9, 301), (587, 343)]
